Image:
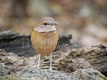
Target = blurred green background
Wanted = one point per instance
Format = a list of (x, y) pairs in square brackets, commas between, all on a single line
[(86, 20)]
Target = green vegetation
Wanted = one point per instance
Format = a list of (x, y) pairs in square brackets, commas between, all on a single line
[(10, 78)]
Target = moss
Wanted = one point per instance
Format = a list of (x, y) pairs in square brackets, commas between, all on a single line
[(9, 78), (100, 76), (104, 78)]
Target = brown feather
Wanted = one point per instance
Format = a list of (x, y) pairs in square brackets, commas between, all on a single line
[(44, 42)]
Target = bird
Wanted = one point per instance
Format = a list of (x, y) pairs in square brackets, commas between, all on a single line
[(44, 38)]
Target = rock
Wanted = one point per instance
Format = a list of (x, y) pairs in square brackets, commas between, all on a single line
[(16, 43), (64, 43), (92, 57), (17, 55), (69, 65), (21, 44), (81, 74), (2, 70)]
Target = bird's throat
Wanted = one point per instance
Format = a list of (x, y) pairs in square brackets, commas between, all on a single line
[(46, 28)]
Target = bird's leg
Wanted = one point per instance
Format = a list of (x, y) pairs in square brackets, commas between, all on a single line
[(51, 61), (39, 60)]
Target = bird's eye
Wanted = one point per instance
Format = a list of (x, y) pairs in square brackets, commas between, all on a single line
[(45, 23)]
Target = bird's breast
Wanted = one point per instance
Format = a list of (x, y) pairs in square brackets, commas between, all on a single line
[(44, 42)]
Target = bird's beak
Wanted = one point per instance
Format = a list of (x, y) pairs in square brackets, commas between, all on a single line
[(53, 23)]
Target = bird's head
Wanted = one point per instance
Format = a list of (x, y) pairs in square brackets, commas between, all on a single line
[(46, 24)]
